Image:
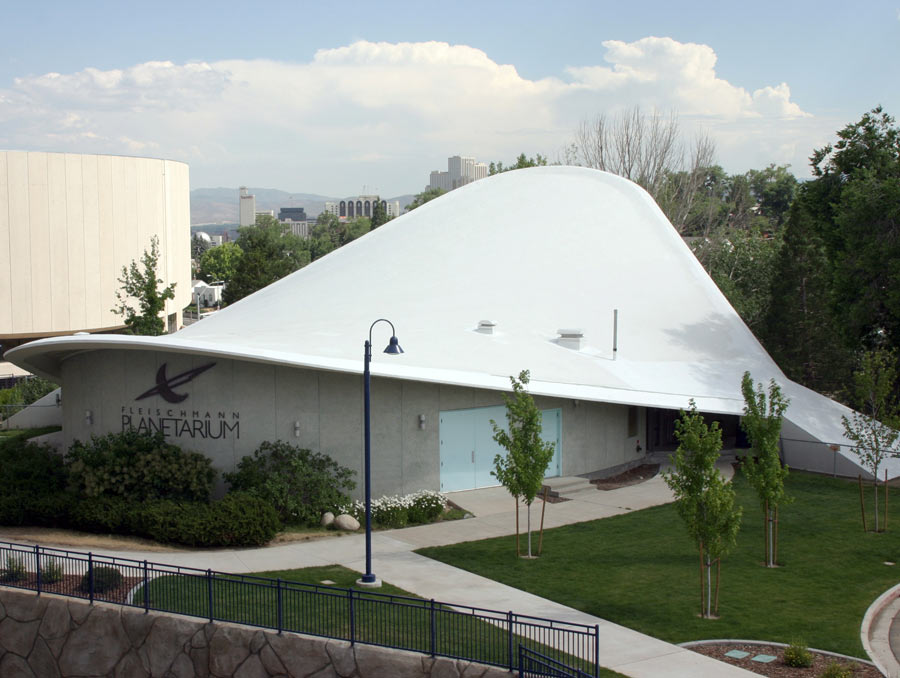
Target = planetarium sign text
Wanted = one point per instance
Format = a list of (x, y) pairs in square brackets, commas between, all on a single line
[(178, 422)]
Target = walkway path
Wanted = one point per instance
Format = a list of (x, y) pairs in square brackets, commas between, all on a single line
[(624, 650)]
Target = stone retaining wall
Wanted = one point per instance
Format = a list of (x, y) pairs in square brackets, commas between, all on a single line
[(51, 636)]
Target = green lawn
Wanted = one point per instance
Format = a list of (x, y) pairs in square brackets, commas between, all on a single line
[(327, 613), (641, 571)]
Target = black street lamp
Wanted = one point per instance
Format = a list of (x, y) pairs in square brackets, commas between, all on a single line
[(393, 348)]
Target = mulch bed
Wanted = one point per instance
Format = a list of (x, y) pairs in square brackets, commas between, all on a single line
[(632, 476), (70, 585), (777, 668)]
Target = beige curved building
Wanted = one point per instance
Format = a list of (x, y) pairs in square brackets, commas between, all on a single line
[(68, 224)]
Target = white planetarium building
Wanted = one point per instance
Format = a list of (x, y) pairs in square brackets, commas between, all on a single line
[(69, 223), (615, 319)]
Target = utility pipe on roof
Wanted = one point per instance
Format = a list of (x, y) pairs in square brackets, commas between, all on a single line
[(615, 332)]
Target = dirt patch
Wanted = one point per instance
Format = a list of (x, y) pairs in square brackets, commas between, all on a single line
[(632, 476), (82, 540), (777, 668), (70, 585)]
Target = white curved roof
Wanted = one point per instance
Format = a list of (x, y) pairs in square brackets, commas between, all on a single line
[(533, 250)]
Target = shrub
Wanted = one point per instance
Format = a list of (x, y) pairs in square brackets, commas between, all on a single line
[(102, 514), (798, 655), (14, 570), (51, 571), (237, 520), (29, 469), (837, 670), (32, 484), (105, 579), (301, 485), (138, 466)]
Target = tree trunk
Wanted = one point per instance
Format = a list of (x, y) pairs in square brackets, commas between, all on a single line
[(875, 485), (517, 526), (718, 579), (766, 532), (862, 503), (708, 587), (775, 542), (702, 588), (529, 529)]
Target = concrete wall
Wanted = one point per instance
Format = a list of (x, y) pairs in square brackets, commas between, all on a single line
[(47, 636), (69, 222), (248, 403), (46, 411)]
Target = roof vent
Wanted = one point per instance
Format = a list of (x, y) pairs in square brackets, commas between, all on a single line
[(570, 338), (486, 326)]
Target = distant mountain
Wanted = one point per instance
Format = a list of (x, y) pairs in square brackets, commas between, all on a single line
[(221, 205)]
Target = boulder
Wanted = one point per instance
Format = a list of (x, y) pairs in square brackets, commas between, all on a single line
[(327, 519), (346, 522)]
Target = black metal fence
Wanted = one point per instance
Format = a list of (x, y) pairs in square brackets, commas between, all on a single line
[(427, 626)]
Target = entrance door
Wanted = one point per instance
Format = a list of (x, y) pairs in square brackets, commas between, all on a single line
[(468, 447)]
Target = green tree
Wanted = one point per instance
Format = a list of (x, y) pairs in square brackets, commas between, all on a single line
[(198, 247), (762, 466), (521, 470), (858, 187), (799, 329), (521, 162), (703, 499), (742, 264), (220, 263), (330, 233), (838, 278), (876, 429), (379, 215), (427, 195), (141, 284), (269, 254)]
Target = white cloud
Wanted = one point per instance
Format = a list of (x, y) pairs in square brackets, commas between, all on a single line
[(380, 112)]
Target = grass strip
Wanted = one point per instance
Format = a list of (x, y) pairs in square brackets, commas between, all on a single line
[(403, 623), (641, 570)]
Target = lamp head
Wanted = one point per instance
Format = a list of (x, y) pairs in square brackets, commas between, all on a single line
[(393, 347)]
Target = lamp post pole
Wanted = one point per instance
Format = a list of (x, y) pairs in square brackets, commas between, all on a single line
[(369, 578)]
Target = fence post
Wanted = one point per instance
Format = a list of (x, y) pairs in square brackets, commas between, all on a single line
[(433, 631), (280, 608), (597, 650), (91, 577), (146, 590), (37, 567), (352, 619), (209, 593), (509, 648)]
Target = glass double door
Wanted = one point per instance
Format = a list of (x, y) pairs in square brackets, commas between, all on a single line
[(468, 447)]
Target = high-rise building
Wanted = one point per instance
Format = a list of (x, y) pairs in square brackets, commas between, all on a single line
[(461, 170), (248, 208)]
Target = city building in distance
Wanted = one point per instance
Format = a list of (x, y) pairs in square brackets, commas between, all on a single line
[(362, 206), (461, 170), (248, 207)]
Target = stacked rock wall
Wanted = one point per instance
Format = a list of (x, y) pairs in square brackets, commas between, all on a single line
[(51, 636)]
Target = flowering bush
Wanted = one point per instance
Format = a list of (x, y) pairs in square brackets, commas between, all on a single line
[(398, 511)]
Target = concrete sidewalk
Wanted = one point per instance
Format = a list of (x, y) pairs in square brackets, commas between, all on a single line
[(624, 650)]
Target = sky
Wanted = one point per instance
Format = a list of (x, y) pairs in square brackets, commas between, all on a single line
[(340, 97)]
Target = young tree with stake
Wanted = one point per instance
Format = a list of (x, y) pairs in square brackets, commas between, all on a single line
[(703, 498), (875, 433), (522, 469), (762, 466)]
